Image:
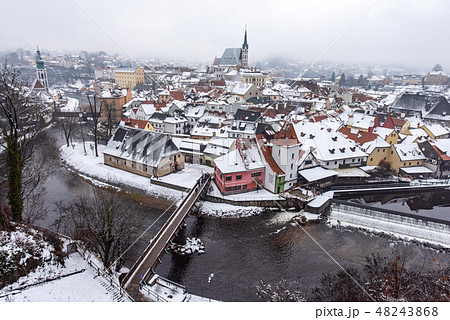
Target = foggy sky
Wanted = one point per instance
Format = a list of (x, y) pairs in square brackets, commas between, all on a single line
[(411, 33)]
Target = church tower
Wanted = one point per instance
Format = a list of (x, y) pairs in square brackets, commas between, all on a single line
[(41, 71), (245, 51)]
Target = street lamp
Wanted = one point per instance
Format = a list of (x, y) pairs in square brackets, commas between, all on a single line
[(209, 284)]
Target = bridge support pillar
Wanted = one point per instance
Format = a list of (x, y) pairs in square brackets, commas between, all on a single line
[(180, 236)]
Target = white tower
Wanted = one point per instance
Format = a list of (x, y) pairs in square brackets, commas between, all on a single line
[(41, 71)]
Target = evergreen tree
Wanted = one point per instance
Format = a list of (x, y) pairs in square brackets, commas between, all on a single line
[(20, 119), (333, 77), (342, 81), (361, 80)]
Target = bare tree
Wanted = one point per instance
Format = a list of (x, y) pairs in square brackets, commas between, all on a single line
[(95, 109), (68, 125), (21, 122), (104, 222)]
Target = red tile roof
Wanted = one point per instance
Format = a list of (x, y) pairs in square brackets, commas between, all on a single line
[(177, 95), (360, 138), (134, 122), (442, 155), (267, 154)]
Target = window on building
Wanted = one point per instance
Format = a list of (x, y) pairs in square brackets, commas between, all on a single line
[(239, 177), (228, 178), (418, 162), (292, 156), (292, 166), (371, 159), (353, 160), (228, 188), (256, 174), (244, 186)]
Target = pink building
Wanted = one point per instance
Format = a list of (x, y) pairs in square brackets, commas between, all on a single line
[(241, 170)]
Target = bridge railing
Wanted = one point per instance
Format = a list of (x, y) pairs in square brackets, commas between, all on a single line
[(153, 294), (197, 188), (161, 230)]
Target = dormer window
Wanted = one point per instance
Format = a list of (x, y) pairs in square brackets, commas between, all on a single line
[(332, 151), (311, 136), (302, 134), (342, 150), (334, 138), (353, 149)]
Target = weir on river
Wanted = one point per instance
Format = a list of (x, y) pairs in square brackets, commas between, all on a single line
[(424, 229)]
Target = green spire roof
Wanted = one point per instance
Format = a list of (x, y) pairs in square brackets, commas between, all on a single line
[(39, 61)]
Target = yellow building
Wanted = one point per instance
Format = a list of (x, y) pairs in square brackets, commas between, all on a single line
[(257, 78), (436, 78), (388, 135), (406, 155), (378, 150), (436, 131), (129, 77), (111, 103), (164, 96)]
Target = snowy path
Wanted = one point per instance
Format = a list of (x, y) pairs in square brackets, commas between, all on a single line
[(85, 286)]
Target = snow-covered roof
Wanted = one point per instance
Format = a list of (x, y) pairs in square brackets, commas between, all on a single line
[(233, 162), (382, 132), (408, 152), (141, 146), (437, 129), (368, 147), (317, 173), (417, 170), (230, 57), (241, 88), (443, 145), (360, 120), (328, 144)]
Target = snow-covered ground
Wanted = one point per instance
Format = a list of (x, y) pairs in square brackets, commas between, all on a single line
[(72, 105), (223, 210), (51, 281), (188, 176), (82, 287), (161, 289)]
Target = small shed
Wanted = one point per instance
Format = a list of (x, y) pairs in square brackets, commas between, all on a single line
[(416, 172)]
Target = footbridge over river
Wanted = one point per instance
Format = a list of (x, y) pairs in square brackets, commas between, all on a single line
[(144, 267)]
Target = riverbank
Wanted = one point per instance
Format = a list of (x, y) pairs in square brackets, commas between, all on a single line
[(92, 169)]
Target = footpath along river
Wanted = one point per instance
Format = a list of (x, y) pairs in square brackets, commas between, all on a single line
[(241, 252)]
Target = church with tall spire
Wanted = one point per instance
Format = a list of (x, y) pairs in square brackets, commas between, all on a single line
[(234, 58), (244, 58)]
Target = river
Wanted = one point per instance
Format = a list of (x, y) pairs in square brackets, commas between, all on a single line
[(241, 252)]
